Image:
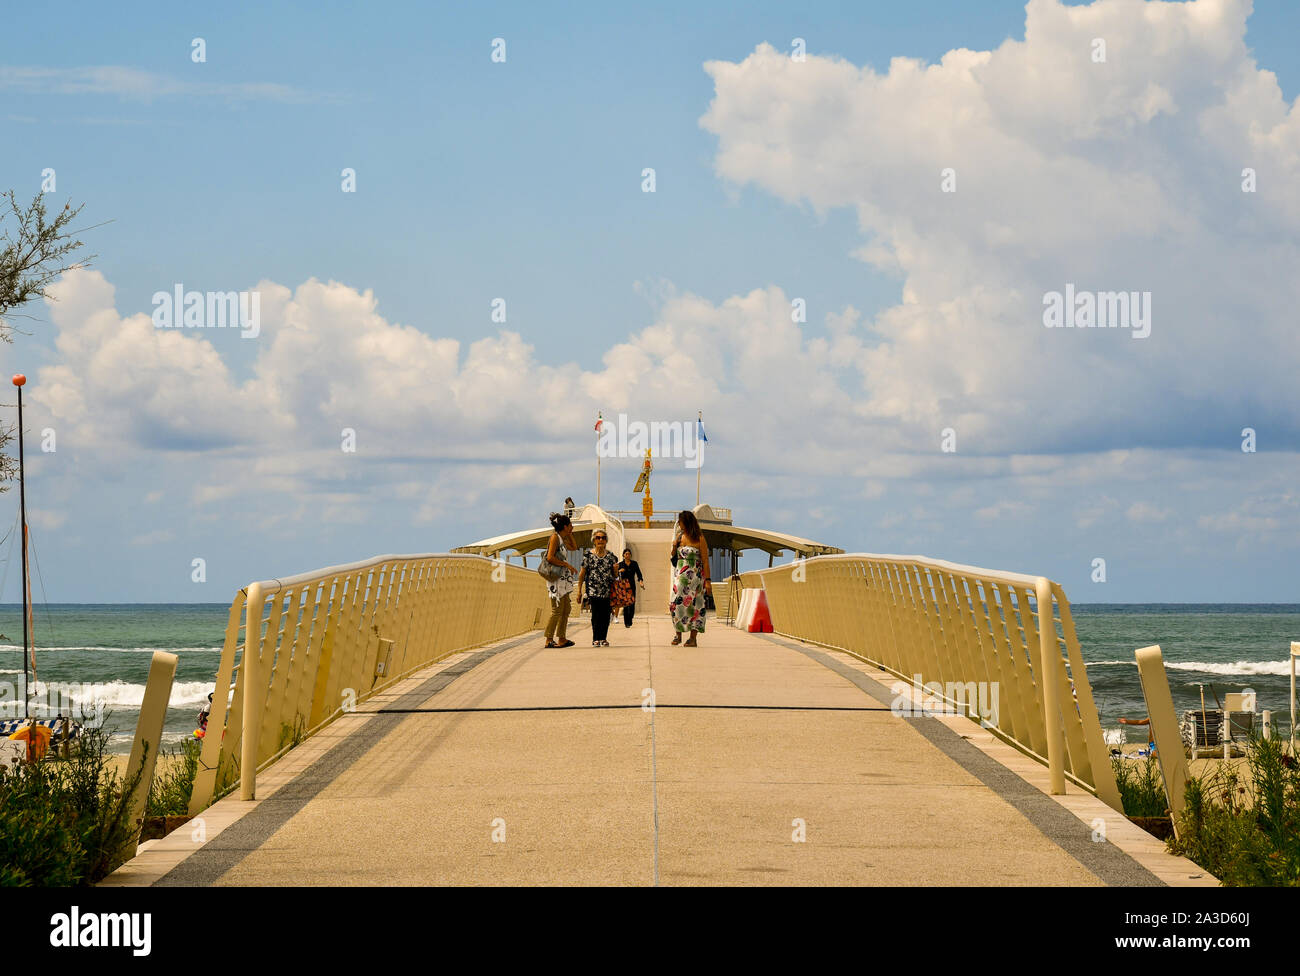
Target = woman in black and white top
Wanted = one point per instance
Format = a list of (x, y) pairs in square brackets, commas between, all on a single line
[(598, 576)]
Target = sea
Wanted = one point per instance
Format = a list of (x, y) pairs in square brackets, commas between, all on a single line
[(96, 657), (1208, 648)]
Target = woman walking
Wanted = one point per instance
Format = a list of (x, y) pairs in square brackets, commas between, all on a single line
[(690, 578), (560, 588), (630, 572), (598, 576)]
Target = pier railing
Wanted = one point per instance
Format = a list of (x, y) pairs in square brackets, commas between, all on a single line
[(303, 650), (998, 647), (594, 514)]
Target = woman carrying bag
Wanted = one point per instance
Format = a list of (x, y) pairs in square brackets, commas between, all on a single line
[(624, 595), (598, 576), (558, 573)]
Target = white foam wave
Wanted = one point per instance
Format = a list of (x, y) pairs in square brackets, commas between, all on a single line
[(1238, 667), (120, 694), (123, 650), (1215, 667)]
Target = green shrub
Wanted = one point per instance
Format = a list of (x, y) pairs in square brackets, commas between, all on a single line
[(64, 822), (1245, 833)]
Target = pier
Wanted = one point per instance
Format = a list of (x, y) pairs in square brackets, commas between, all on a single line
[(751, 759)]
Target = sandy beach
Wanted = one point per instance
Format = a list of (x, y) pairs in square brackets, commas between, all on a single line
[(118, 763)]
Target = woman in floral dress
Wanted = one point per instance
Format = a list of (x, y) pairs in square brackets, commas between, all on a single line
[(690, 578)]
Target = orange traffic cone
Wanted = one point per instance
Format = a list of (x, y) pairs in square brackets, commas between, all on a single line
[(762, 620)]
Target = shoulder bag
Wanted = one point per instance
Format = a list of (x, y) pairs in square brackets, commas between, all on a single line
[(548, 570)]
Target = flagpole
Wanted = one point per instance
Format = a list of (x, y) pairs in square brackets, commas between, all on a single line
[(598, 423), (699, 415)]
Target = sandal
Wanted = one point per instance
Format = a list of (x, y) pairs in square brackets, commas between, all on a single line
[(691, 643), (677, 639), (567, 643), (551, 643), (604, 643)]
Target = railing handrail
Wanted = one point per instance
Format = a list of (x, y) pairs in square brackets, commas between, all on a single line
[(666, 513), (995, 575), (301, 650), (276, 583), (934, 622)]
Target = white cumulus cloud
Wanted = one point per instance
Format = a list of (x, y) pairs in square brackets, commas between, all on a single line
[(1119, 175)]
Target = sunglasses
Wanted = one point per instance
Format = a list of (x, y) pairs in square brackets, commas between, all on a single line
[(599, 538)]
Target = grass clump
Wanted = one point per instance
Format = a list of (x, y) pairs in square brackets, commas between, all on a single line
[(1141, 787), (173, 781), (292, 735)]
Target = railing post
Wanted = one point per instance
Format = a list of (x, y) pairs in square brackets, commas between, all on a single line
[(1164, 728), (148, 740), (1295, 652), (1049, 672), (250, 664), (211, 753)]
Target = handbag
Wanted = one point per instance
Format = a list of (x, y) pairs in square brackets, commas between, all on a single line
[(548, 570), (621, 595)]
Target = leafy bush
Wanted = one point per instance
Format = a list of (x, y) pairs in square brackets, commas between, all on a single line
[(1246, 833), (64, 822)]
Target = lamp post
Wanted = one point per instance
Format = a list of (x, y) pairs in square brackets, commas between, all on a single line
[(19, 380)]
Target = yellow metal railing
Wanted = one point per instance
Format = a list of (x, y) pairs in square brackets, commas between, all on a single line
[(322, 642), (1164, 729), (593, 516), (1008, 639)]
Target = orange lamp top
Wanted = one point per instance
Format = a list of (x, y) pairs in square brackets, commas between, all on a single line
[(19, 379)]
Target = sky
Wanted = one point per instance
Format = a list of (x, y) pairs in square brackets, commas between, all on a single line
[(918, 179)]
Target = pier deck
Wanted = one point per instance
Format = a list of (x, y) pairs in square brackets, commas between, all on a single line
[(518, 764)]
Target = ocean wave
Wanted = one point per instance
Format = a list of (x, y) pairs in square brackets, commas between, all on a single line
[(1238, 667), (121, 694), (1214, 667), (124, 650)]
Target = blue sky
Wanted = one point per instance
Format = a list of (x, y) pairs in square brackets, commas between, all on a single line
[(522, 180)]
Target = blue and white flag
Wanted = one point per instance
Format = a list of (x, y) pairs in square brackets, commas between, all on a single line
[(699, 430)]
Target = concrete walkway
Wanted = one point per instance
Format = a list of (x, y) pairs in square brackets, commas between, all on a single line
[(518, 764)]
